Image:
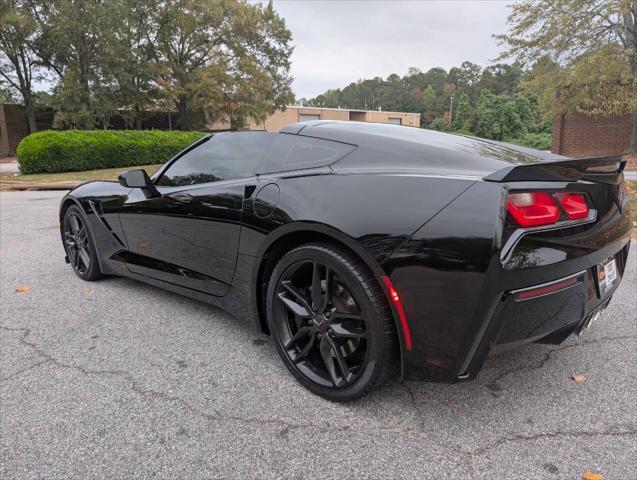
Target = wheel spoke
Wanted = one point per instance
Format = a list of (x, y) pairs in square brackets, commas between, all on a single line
[(75, 226), (328, 290), (339, 330), (326, 354), (340, 360), (316, 286), (69, 239), (76, 258), (295, 308), (300, 298), (340, 316), (85, 257), (301, 332), (303, 353)]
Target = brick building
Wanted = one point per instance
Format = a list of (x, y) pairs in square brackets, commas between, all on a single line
[(293, 114), (577, 135)]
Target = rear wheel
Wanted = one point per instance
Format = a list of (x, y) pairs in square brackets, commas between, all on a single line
[(331, 322), (79, 245)]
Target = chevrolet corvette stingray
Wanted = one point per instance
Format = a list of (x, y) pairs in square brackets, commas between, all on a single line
[(367, 251)]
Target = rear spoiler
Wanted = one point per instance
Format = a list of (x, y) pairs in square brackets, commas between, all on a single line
[(596, 169)]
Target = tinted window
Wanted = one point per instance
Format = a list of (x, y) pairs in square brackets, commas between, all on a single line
[(224, 157), (295, 152)]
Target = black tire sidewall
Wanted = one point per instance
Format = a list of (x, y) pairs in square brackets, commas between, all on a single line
[(349, 272)]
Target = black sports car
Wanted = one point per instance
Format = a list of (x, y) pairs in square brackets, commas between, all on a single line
[(367, 251)]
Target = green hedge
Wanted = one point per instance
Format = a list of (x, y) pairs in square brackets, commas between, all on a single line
[(75, 150)]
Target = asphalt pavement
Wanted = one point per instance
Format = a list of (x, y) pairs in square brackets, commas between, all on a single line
[(116, 379)]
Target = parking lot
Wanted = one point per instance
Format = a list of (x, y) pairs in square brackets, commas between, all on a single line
[(116, 379)]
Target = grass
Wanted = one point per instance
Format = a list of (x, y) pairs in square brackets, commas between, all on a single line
[(75, 177)]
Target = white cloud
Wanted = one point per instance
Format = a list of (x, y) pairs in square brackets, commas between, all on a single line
[(338, 42)]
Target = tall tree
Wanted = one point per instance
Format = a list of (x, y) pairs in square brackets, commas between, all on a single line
[(74, 36), (578, 34), (17, 59), (223, 59)]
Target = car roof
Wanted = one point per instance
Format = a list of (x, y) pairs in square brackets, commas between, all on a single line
[(398, 147)]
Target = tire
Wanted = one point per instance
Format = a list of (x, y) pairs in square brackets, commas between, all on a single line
[(340, 345), (79, 245)]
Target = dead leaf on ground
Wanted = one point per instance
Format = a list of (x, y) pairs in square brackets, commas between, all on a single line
[(578, 378), (592, 476), (451, 403), (23, 288), (1, 253), (86, 290), (143, 245)]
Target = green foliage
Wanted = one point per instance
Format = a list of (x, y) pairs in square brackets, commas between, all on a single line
[(586, 51), (462, 115), (500, 116), (73, 150), (209, 60), (540, 141)]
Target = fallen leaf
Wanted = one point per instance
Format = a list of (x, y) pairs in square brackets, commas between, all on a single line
[(592, 476), (86, 290), (143, 245), (451, 403), (1, 253), (578, 378), (23, 288)]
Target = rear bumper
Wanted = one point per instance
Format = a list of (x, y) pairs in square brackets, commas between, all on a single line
[(544, 318)]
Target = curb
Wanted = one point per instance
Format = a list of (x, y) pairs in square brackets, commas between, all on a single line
[(33, 186)]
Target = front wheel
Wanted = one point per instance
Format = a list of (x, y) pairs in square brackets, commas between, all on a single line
[(79, 245), (331, 322)]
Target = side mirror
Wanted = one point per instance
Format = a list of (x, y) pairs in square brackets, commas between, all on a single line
[(138, 179)]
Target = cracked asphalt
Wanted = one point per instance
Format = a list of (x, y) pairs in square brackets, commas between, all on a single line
[(116, 379)]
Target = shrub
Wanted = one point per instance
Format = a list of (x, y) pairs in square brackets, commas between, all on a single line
[(75, 150), (540, 141)]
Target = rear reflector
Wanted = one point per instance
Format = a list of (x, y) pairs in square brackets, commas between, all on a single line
[(532, 209), (545, 289), (395, 300), (574, 205)]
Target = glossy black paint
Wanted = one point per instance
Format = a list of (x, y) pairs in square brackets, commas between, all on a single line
[(426, 209)]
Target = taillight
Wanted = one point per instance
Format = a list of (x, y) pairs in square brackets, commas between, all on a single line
[(532, 209), (574, 205)]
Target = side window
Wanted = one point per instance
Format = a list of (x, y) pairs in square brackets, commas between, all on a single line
[(295, 152), (225, 156)]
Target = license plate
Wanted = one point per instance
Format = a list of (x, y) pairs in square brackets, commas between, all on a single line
[(606, 275)]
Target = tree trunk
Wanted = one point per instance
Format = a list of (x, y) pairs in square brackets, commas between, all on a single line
[(138, 122), (30, 113)]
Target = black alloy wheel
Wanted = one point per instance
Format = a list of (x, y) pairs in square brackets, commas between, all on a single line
[(331, 322), (79, 245)]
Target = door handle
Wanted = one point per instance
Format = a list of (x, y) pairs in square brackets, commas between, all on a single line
[(181, 197)]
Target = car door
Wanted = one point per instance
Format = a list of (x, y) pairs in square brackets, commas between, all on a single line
[(189, 233)]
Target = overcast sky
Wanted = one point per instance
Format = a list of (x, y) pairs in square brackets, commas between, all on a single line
[(338, 42)]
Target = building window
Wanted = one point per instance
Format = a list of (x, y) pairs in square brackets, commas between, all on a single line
[(395, 121), (308, 117)]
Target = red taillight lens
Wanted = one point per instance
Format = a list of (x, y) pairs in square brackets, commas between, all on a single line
[(531, 209), (574, 205)]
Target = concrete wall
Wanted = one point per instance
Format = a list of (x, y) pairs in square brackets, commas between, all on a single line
[(577, 135)]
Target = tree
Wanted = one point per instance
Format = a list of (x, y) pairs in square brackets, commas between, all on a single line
[(17, 59), (222, 59), (128, 65), (74, 36), (578, 34), (462, 115)]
